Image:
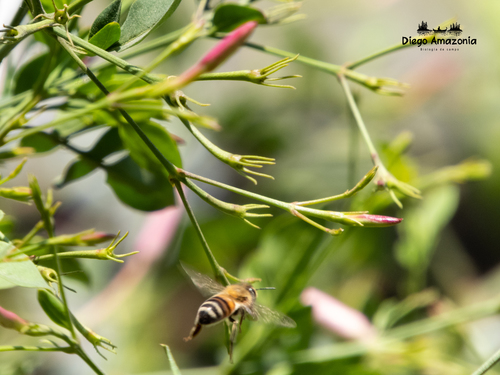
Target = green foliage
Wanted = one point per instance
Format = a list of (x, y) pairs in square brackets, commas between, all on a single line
[(106, 36), (109, 15), (27, 76), (143, 17), (228, 17), (18, 270), (383, 279)]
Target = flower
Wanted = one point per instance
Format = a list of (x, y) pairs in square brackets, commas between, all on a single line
[(338, 317)]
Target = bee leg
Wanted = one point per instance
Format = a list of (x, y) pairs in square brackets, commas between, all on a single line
[(232, 338), (242, 317), (194, 331)]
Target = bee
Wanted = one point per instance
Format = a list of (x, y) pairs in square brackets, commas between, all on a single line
[(231, 302)]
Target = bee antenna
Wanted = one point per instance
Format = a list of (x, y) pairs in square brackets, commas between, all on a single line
[(266, 288)]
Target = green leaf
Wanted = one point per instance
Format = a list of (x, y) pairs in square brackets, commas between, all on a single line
[(75, 170), (107, 16), (40, 142), (138, 187), (107, 36), (228, 17), (422, 226), (144, 16), (109, 143), (18, 271), (29, 73), (142, 155), (5, 247), (173, 364), (2, 214)]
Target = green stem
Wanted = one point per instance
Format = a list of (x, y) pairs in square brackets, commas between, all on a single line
[(358, 118), (386, 86), (245, 193), (18, 17), (10, 348), (88, 361), (239, 75), (187, 37), (213, 262), (376, 55), (172, 169), (292, 208), (151, 46), (132, 69), (62, 119), (347, 194), (492, 361), (18, 114), (60, 286), (82, 254)]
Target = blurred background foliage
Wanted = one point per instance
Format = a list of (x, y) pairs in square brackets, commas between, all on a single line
[(447, 244)]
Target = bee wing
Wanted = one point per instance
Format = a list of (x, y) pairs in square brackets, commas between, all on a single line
[(205, 284), (267, 315)]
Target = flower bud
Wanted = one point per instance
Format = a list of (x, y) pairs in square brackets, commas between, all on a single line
[(10, 320), (217, 55), (374, 220), (20, 193)]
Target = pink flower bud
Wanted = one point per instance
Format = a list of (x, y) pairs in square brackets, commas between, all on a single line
[(227, 46), (337, 317), (10, 320), (375, 220), (217, 55)]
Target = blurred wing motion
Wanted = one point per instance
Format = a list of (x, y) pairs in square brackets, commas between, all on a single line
[(205, 284), (266, 315)]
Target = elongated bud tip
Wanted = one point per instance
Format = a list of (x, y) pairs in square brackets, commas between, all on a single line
[(218, 54), (375, 220), (227, 46), (10, 320)]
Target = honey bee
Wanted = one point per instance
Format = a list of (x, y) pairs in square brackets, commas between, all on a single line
[(231, 302)]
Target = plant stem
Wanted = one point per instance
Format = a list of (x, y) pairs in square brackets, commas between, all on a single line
[(88, 361), (10, 348), (172, 169), (358, 118), (115, 60), (376, 55), (292, 208), (213, 262), (190, 34), (493, 360)]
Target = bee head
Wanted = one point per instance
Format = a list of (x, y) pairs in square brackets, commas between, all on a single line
[(252, 291)]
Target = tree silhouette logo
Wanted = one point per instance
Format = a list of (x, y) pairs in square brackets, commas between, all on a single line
[(454, 29)]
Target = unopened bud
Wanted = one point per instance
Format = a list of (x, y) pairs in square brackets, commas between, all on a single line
[(10, 320), (374, 220), (20, 193), (217, 55)]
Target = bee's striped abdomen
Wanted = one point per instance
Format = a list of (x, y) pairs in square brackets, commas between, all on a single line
[(215, 309)]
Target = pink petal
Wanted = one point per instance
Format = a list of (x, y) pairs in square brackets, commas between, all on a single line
[(337, 317)]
